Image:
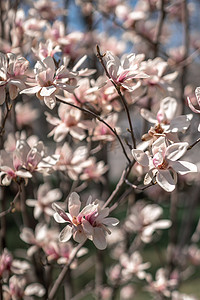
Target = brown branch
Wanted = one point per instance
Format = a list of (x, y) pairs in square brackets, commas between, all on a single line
[(191, 146), (63, 273), (8, 109), (12, 205), (100, 57), (159, 28), (61, 100)]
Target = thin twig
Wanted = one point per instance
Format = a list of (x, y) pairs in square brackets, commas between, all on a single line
[(12, 205), (100, 57), (63, 273), (159, 28), (62, 100), (191, 146)]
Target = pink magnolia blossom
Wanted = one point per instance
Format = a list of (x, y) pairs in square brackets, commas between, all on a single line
[(102, 132), (157, 82), (12, 75), (47, 10), (49, 81), (46, 49), (162, 285), (92, 170), (143, 220), (11, 168), (34, 158), (17, 289), (70, 160), (166, 122), (163, 161), (191, 106), (9, 265), (122, 72), (133, 265), (89, 223), (38, 239), (69, 121), (45, 197), (25, 114)]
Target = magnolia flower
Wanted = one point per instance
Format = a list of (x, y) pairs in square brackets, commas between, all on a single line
[(25, 114), (88, 223), (157, 81), (46, 49), (133, 265), (12, 75), (143, 220), (102, 132), (49, 81), (11, 168), (162, 285), (197, 93), (47, 10), (92, 170), (163, 161), (38, 239), (122, 72), (17, 289), (69, 121), (34, 158), (166, 122), (71, 160), (62, 252), (45, 197)]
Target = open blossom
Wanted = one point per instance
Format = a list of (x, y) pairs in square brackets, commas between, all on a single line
[(122, 72), (12, 75), (46, 49), (69, 122), (89, 223), (102, 132), (25, 114), (164, 161), (11, 168), (71, 160), (133, 265), (49, 81), (10, 265), (166, 122), (17, 289), (157, 81), (45, 197), (92, 170), (34, 158), (191, 106), (162, 285), (38, 239), (143, 220)]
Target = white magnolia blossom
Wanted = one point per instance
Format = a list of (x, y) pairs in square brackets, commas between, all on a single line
[(144, 220), (163, 162), (123, 71)]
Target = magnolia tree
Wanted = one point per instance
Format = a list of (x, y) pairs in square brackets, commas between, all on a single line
[(99, 132)]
